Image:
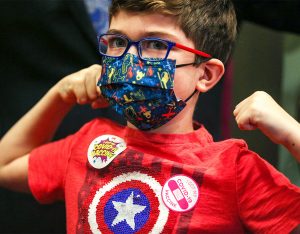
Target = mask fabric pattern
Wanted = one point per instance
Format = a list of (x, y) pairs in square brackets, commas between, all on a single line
[(141, 91)]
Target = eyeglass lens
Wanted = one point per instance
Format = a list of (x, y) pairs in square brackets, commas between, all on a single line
[(115, 46)]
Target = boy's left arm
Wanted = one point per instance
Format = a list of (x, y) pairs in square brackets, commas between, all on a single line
[(261, 111)]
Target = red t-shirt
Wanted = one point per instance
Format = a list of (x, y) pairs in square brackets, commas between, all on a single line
[(236, 190)]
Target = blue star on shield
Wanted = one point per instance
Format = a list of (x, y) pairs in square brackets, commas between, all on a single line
[(127, 211)]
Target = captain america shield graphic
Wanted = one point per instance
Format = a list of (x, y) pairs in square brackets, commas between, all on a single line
[(129, 203)]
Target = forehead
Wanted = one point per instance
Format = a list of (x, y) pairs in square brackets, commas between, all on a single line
[(138, 25)]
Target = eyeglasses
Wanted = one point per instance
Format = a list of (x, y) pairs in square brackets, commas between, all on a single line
[(150, 49)]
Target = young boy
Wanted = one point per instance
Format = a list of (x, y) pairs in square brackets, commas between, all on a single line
[(159, 174)]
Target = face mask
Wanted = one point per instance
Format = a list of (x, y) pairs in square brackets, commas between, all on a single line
[(141, 91)]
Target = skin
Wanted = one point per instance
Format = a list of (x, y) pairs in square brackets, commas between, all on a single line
[(80, 88), (261, 111)]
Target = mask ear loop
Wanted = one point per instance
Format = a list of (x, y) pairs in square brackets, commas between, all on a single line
[(187, 64), (186, 100), (183, 65)]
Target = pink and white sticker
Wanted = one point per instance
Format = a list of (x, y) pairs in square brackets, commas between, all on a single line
[(180, 193)]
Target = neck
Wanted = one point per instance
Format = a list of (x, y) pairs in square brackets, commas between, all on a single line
[(180, 126)]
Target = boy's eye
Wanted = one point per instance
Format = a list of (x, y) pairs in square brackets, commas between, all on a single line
[(117, 42), (154, 45)]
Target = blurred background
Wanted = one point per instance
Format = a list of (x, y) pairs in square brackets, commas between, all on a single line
[(41, 41)]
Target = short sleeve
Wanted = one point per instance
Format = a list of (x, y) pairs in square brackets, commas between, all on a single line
[(268, 202), (47, 170)]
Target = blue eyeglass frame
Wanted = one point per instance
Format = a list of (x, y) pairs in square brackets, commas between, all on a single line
[(137, 45)]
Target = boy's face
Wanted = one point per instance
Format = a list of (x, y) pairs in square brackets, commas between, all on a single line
[(137, 26)]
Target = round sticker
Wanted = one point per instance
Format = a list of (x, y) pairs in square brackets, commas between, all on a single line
[(104, 149), (180, 193)]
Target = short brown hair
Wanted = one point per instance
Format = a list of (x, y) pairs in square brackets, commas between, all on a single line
[(210, 24)]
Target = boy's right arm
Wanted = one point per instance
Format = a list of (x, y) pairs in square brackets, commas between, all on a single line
[(38, 126)]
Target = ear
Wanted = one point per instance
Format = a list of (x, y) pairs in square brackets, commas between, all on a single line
[(213, 71)]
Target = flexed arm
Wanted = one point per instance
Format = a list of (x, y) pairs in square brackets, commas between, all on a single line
[(261, 111), (38, 126)]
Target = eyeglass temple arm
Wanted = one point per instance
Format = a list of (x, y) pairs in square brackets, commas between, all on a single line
[(198, 52)]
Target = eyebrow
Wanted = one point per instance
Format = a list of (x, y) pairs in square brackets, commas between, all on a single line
[(159, 34), (115, 31)]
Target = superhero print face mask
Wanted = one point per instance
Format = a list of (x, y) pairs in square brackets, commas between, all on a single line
[(141, 91)]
